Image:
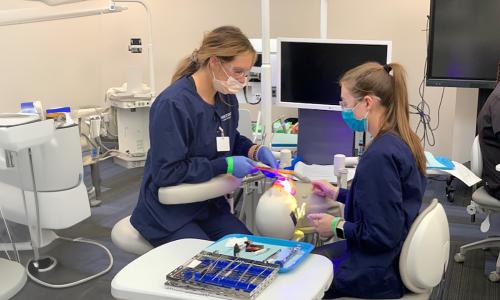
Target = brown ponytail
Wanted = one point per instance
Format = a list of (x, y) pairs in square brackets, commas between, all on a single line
[(375, 79), (225, 42)]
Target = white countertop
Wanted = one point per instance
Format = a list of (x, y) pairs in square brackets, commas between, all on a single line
[(144, 277)]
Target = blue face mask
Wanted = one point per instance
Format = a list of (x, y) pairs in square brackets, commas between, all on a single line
[(352, 122)]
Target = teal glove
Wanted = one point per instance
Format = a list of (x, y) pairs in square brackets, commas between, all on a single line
[(266, 156), (240, 166)]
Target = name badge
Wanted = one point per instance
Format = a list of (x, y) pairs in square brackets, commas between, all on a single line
[(223, 144)]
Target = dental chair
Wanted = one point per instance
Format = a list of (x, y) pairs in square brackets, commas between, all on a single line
[(275, 214), (481, 201), (425, 253), (41, 186), (127, 238)]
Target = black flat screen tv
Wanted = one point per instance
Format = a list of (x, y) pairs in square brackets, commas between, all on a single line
[(309, 69), (464, 43)]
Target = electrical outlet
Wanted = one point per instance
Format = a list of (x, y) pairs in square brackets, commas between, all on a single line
[(135, 45)]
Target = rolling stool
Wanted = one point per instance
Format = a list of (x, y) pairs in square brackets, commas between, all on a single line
[(127, 238)]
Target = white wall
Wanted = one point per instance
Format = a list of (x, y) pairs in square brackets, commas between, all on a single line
[(55, 62), (73, 62), (464, 125)]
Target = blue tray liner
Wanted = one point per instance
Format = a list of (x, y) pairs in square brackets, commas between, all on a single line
[(272, 243)]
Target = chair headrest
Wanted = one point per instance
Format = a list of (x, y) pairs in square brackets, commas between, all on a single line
[(426, 250)]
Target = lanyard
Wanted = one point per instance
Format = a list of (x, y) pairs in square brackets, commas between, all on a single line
[(221, 130)]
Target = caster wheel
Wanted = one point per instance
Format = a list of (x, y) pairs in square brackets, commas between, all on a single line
[(459, 258), (471, 209), (494, 276), (450, 196)]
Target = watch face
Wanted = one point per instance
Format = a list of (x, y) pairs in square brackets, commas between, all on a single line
[(339, 232)]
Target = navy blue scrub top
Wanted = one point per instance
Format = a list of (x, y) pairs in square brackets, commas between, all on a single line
[(183, 130), (384, 200)]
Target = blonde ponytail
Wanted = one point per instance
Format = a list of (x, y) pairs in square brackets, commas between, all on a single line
[(399, 121), (186, 67)]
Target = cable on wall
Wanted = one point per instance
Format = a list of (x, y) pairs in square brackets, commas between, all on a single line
[(424, 128)]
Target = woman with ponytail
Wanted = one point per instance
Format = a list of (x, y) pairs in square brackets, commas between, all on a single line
[(194, 137), (386, 192)]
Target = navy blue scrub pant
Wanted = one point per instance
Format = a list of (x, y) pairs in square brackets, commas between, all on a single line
[(332, 251), (212, 223)]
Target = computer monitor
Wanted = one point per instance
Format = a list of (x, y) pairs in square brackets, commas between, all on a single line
[(309, 69), (464, 43)]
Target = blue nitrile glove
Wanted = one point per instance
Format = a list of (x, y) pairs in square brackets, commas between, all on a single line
[(240, 166), (266, 156)]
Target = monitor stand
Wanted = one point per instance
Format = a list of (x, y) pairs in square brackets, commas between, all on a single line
[(323, 134)]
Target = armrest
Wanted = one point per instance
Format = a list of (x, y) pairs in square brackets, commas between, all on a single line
[(197, 192), (498, 167)]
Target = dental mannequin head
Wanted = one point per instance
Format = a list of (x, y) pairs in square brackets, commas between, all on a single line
[(277, 212)]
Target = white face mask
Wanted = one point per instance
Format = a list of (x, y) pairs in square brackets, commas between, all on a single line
[(229, 86)]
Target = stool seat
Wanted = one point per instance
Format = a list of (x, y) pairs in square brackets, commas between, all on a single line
[(485, 200), (127, 238)]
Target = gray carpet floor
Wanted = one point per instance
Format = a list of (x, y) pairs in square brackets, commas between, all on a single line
[(120, 191)]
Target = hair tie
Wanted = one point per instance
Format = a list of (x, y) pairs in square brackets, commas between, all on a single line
[(194, 56), (387, 68)]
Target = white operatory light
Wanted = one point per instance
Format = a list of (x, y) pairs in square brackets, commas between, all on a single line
[(34, 15), (57, 2)]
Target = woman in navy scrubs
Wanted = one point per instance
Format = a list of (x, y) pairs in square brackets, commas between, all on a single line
[(386, 192), (194, 137)]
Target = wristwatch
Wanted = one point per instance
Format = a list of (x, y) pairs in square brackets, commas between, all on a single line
[(339, 230)]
